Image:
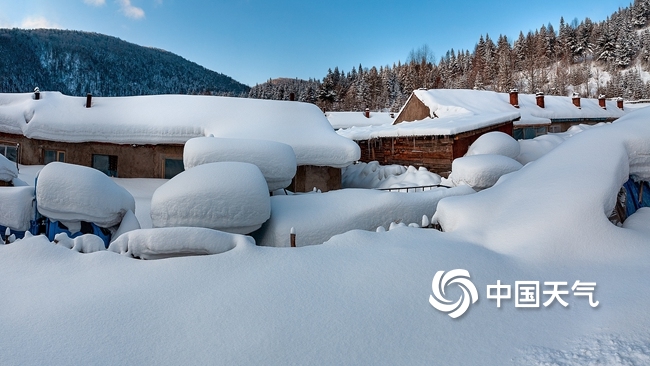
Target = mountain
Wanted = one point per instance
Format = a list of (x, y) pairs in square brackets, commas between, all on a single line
[(76, 63)]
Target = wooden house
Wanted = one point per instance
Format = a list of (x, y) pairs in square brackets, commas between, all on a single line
[(437, 126), (143, 137)]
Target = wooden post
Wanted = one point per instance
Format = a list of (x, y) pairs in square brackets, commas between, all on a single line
[(292, 235), (89, 99)]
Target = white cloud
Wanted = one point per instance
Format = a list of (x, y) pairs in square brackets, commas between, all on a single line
[(95, 2), (131, 11), (37, 22)]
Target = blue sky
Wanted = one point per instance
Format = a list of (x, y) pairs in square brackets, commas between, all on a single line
[(254, 40)]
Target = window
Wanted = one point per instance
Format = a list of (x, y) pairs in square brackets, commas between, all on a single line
[(106, 164), (53, 155), (172, 167), (10, 152), (554, 129)]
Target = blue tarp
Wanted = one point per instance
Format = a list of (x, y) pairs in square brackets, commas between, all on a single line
[(637, 196)]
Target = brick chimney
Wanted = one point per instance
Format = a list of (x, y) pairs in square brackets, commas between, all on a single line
[(89, 100), (367, 113), (619, 102), (539, 96), (576, 100), (601, 101), (37, 93), (514, 98)]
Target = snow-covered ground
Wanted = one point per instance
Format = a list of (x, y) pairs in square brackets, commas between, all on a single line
[(365, 297)]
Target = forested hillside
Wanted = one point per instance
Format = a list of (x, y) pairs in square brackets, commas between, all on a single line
[(77, 63), (611, 57)]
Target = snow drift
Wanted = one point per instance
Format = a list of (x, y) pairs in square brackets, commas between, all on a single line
[(171, 242), (317, 217), (374, 175), (228, 196), (276, 160), (67, 192)]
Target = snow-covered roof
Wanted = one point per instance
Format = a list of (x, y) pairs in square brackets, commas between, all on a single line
[(174, 119), (454, 111), (443, 126), (358, 119)]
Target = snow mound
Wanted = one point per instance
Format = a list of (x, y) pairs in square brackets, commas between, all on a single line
[(129, 223), (8, 170), (318, 217), (171, 242), (481, 171), (374, 175), (16, 207), (639, 221), (276, 160), (495, 143), (70, 192), (533, 149), (87, 243), (228, 196), (577, 183)]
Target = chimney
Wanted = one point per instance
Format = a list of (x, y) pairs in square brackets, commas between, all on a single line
[(514, 98), (619, 102), (37, 93), (292, 97), (367, 112), (89, 99), (539, 96), (576, 100), (601, 101)]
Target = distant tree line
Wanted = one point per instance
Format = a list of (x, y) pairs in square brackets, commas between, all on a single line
[(77, 63), (611, 57)]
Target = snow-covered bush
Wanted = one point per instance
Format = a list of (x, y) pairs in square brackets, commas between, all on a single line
[(87, 243), (176, 242), (276, 160), (232, 197), (8, 169), (16, 207), (481, 171), (374, 175), (70, 192)]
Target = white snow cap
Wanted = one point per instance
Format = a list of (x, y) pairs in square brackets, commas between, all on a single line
[(174, 119), (8, 170), (481, 171), (276, 160), (496, 143), (16, 207), (228, 196), (171, 242), (77, 193)]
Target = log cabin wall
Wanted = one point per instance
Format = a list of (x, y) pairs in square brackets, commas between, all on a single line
[(435, 153)]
